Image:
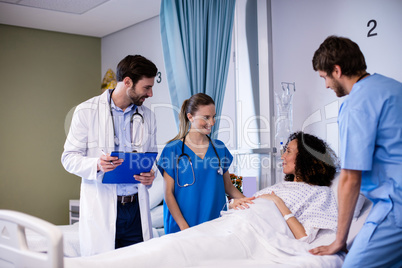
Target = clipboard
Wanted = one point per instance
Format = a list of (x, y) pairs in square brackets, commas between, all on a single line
[(133, 164)]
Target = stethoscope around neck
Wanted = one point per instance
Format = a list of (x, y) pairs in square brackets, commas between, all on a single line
[(136, 113), (183, 154)]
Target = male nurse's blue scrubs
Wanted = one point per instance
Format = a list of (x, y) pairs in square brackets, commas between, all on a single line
[(370, 124), (204, 199)]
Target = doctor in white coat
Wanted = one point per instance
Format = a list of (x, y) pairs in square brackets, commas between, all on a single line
[(94, 133)]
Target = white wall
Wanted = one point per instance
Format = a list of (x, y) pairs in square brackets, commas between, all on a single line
[(299, 27)]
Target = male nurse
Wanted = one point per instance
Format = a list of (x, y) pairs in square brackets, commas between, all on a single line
[(370, 126)]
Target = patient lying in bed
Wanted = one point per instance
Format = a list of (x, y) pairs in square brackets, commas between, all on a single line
[(304, 198), (259, 233)]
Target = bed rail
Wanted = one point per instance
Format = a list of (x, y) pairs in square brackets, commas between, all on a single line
[(14, 251)]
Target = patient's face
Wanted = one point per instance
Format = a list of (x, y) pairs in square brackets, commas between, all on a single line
[(289, 158)]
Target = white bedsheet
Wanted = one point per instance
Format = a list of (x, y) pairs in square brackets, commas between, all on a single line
[(254, 237)]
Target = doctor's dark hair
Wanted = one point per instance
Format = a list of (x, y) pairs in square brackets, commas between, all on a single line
[(316, 163), (339, 51), (191, 106), (135, 67)]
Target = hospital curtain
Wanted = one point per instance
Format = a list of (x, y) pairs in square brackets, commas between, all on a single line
[(196, 39)]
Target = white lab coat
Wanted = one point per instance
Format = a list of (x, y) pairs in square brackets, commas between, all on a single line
[(90, 132)]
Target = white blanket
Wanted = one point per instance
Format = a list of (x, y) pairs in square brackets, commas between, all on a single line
[(252, 237)]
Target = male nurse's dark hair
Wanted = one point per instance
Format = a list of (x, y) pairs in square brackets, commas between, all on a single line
[(339, 51)]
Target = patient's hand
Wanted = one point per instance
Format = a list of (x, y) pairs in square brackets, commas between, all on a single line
[(278, 202), (241, 203), (272, 196)]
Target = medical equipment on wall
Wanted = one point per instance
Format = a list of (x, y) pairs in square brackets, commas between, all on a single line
[(136, 118), (183, 154), (283, 123), (284, 115)]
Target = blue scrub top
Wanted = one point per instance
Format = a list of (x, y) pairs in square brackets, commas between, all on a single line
[(370, 125), (203, 200)]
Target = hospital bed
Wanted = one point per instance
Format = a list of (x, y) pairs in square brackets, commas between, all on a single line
[(37, 242), (212, 244)]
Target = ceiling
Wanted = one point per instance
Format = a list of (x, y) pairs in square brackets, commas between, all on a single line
[(96, 18)]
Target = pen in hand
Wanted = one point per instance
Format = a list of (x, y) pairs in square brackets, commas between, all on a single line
[(111, 162)]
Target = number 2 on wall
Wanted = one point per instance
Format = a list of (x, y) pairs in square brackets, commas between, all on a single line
[(370, 33)]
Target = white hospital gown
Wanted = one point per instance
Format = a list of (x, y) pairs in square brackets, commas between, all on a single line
[(314, 206)]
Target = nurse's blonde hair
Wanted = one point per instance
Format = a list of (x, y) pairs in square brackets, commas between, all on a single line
[(190, 106)]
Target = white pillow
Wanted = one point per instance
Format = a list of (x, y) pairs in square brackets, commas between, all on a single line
[(157, 217), (359, 205), (360, 201), (156, 191)]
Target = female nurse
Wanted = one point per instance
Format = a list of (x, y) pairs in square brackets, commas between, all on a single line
[(195, 169)]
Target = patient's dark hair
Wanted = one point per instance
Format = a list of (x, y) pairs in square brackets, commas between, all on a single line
[(316, 163)]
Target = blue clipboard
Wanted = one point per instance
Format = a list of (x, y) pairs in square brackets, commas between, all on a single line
[(133, 164)]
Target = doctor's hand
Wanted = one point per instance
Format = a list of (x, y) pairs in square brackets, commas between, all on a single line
[(146, 178), (330, 249), (108, 163), (241, 203)]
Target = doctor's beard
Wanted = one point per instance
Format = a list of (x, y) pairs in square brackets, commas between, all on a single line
[(138, 101)]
